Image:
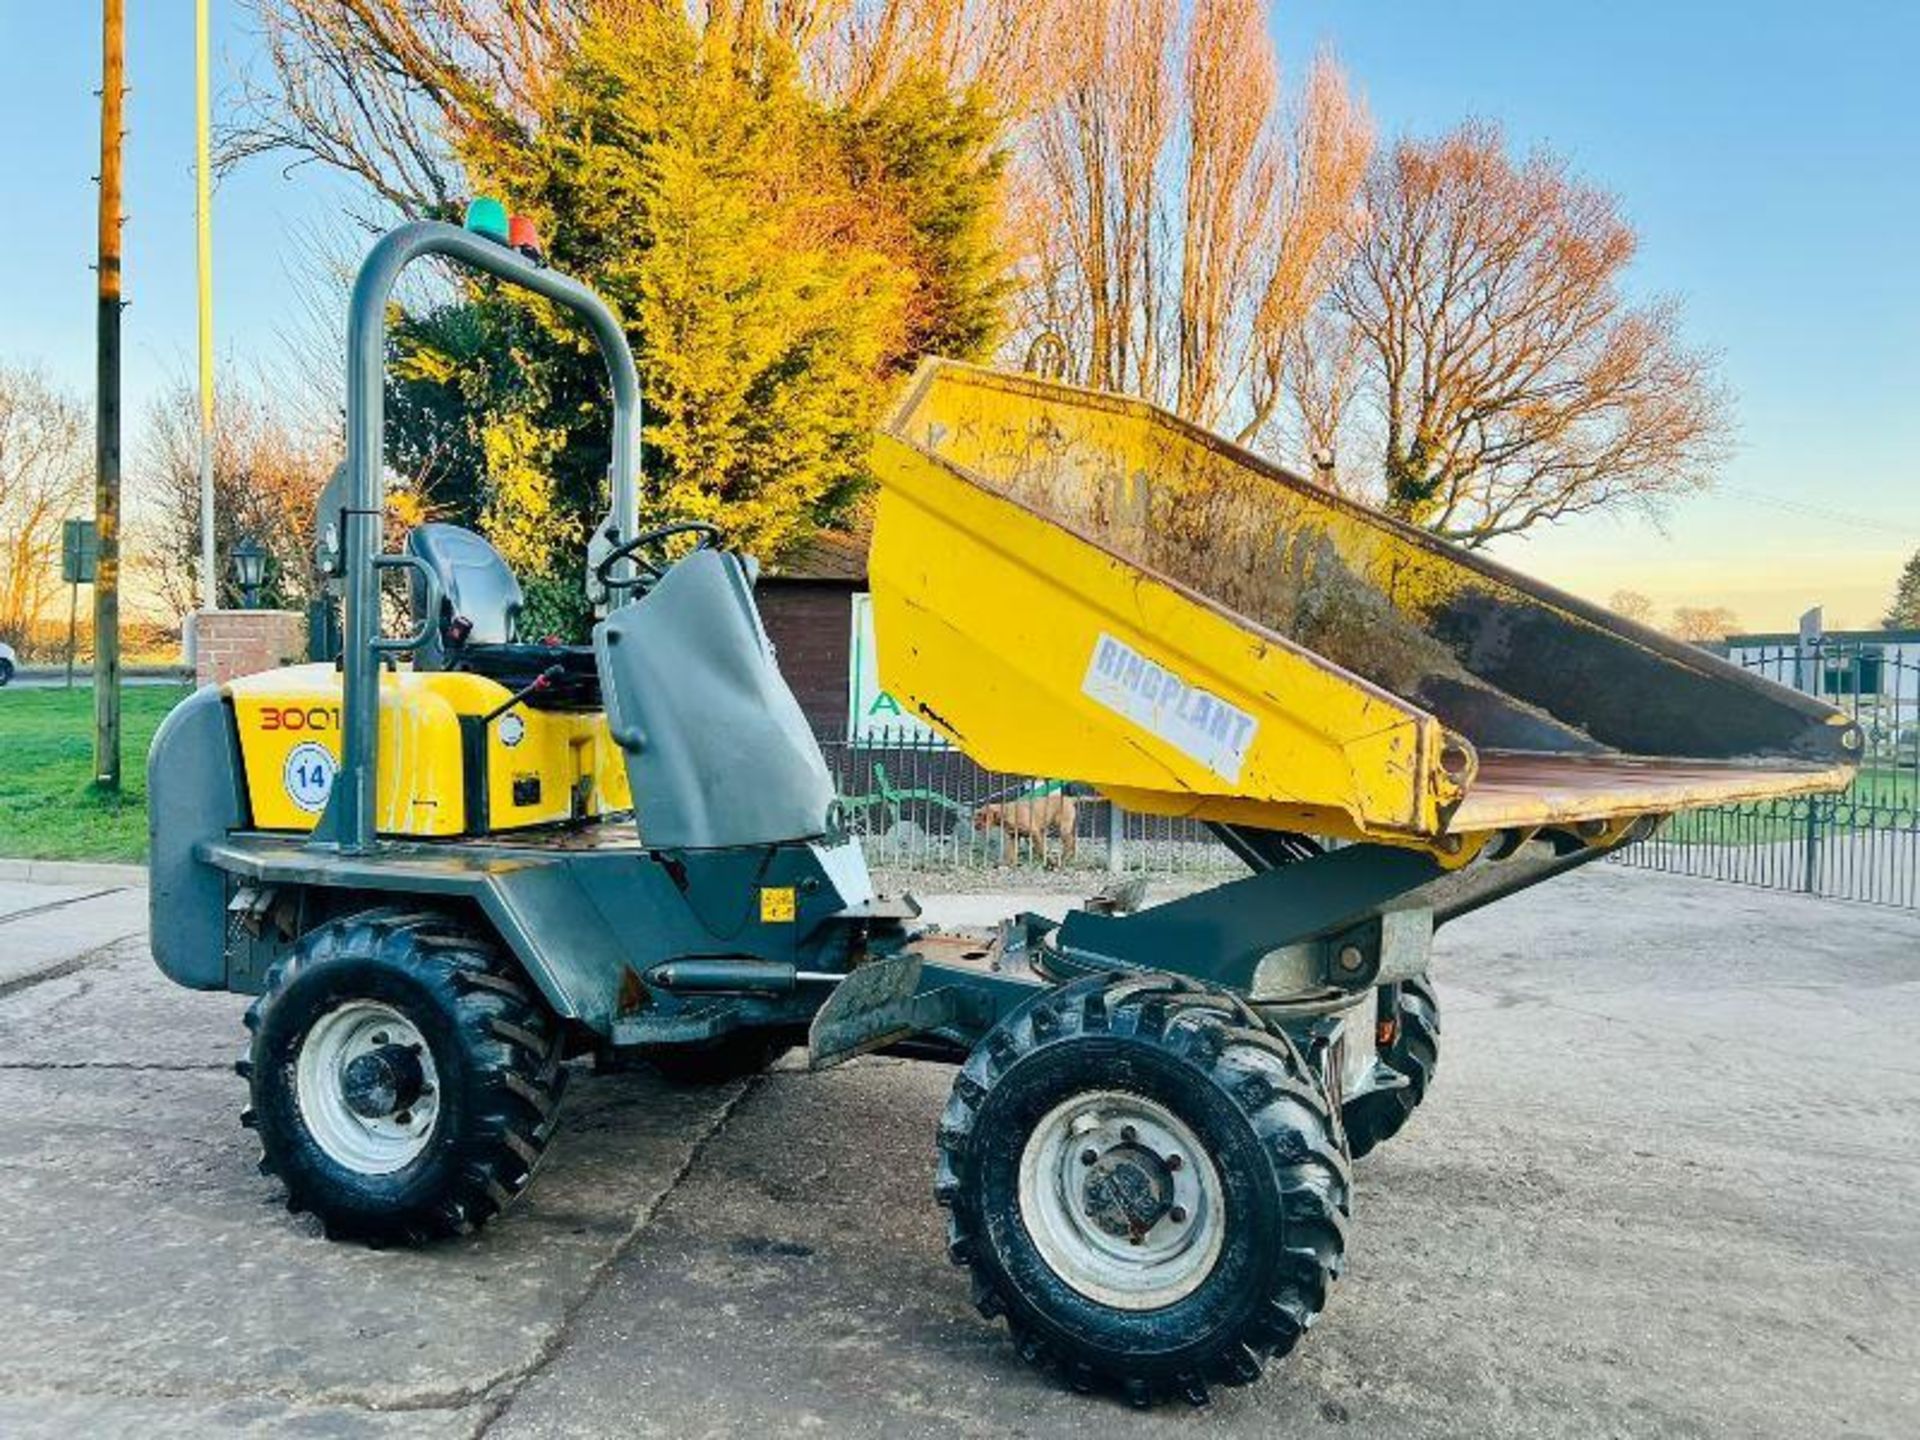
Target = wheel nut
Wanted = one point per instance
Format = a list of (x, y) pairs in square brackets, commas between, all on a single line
[(1129, 1134), (1178, 1214), (1351, 958), (1174, 1162), (1087, 1157)]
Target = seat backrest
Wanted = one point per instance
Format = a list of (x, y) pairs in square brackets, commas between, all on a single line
[(476, 588), (717, 749)]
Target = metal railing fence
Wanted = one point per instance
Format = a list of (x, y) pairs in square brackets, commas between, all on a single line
[(1861, 845), (918, 804)]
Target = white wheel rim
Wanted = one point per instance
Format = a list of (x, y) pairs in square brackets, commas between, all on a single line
[(367, 1144), (1105, 1159)]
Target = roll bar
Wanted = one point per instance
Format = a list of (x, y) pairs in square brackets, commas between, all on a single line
[(348, 823)]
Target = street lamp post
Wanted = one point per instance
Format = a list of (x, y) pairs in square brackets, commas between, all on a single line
[(250, 571)]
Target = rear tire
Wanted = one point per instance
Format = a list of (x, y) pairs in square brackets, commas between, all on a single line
[(1148, 1182), (6, 672), (405, 1078), (1413, 1051)]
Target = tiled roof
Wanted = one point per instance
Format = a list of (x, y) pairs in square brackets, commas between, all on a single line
[(831, 556)]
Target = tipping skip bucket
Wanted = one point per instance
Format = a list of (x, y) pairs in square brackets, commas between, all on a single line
[(1077, 584)]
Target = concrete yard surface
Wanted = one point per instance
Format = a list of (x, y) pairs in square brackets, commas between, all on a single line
[(1667, 1184)]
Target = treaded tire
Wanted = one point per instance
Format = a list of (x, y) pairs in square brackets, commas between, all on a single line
[(1266, 1124), (6, 672), (734, 1057), (1414, 1052), (495, 1047)]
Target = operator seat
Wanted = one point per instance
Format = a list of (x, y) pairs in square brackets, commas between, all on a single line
[(478, 627)]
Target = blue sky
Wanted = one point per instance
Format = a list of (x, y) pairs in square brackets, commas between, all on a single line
[(1769, 154)]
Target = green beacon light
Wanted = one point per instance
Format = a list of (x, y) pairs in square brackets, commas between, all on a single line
[(487, 216)]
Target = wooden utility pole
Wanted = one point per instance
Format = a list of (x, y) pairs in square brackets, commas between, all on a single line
[(106, 491)]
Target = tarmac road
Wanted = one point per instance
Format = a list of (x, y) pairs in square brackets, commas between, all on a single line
[(43, 679), (1667, 1184)]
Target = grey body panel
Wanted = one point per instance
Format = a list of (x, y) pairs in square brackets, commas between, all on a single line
[(194, 796), (475, 585), (1279, 932), (579, 919), (717, 749)]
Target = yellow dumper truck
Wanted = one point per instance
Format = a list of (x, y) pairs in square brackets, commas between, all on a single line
[(462, 857)]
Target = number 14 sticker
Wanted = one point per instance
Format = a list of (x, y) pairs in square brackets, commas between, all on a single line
[(308, 776)]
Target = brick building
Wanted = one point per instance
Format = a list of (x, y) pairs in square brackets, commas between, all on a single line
[(807, 606)]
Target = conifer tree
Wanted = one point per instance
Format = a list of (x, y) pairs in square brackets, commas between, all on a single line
[(1904, 613), (779, 261)]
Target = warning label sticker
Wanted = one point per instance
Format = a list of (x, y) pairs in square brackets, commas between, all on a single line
[(1195, 722)]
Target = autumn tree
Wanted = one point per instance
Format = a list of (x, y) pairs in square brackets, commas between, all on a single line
[(1703, 624), (778, 255), (266, 481), (46, 467), (1904, 612), (1515, 382), (1631, 605), (855, 51), (1184, 215), (379, 89)]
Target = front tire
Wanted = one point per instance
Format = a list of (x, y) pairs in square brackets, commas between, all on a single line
[(1409, 1045), (1148, 1182), (405, 1080), (6, 673)]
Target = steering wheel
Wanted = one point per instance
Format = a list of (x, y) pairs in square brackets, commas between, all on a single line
[(650, 571)]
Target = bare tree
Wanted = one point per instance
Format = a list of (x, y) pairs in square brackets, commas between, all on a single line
[(1516, 382), (1703, 624), (1631, 605), (857, 50), (1090, 183), (377, 88), (1313, 365), (266, 482), (1185, 218), (46, 467), (1320, 368)]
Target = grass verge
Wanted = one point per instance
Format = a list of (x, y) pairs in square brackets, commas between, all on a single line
[(50, 808)]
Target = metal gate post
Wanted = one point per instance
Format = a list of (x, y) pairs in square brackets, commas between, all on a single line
[(1810, 880)]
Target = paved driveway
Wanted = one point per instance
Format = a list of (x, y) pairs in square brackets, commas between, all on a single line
[(1666, 1185)]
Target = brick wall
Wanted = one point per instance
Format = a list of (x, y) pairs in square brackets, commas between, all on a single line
[(810, 625), (229, 643)]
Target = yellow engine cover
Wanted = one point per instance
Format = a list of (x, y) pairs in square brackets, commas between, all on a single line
[(535, 767)]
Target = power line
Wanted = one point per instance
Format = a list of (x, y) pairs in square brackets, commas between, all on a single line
[(1822, 512)]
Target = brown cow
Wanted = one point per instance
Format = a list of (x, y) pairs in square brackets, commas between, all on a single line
[(1030, 819)]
